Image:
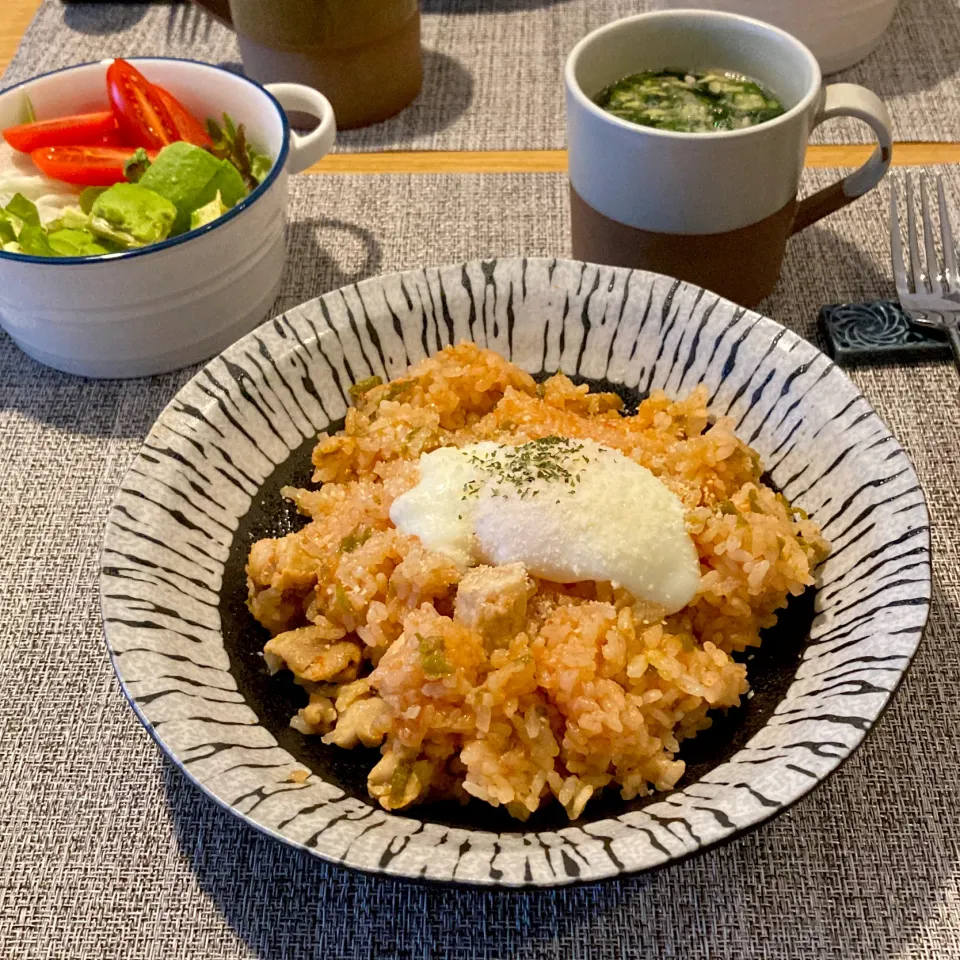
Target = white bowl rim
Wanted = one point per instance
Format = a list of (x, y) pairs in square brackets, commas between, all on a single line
[(232, 213)]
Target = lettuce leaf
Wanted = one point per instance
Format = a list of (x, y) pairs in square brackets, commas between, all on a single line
[(89, 196), (28, 113), (260, 165), (24, 210), (20, 223), (136, 166), (33, 240), (68, 236), (230, 143), (73, 218)]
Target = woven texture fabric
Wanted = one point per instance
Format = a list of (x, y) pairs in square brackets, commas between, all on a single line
[(494, 68), (106, 852)]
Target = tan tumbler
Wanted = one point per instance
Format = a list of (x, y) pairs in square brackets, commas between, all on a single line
[(363, 55)]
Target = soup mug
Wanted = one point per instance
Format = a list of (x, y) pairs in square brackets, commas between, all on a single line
[(713, 208)]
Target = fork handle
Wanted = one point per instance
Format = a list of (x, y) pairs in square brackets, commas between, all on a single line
[(849, 100)]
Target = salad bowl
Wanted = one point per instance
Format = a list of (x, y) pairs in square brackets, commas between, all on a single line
[(152, 309)]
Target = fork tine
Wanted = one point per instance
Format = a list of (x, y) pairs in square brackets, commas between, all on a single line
[(896, 244), (934, 274), (916, 266), (951, 275)]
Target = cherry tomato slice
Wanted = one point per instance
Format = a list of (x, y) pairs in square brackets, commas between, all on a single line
[(189, 128), (87, 166), (111, 139), (141, 114), (81, 128)]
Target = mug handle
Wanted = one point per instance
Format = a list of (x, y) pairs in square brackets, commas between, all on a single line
[(306, 149), (849, 100)]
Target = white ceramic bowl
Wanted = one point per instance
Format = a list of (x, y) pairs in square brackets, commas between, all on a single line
[(188, 653), (839, 32), (162, 307)]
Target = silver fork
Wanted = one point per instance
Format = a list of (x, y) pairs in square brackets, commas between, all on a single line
[(933, 297)]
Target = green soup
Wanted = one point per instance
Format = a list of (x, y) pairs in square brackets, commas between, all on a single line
[(690, 102)]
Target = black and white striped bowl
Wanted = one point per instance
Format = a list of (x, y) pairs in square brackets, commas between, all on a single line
[(206, 484)]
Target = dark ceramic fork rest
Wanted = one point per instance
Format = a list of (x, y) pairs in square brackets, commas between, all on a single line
[(878, 332)]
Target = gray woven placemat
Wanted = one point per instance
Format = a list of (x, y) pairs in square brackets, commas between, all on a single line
[(494, 67), (106, 852)]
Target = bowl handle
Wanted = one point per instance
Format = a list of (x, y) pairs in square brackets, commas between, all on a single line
[(306, 149)]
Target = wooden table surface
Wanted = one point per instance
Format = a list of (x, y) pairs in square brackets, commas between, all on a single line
[(15, 15)]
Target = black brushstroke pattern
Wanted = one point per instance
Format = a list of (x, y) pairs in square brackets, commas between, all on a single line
[(323, 343), (643, 323), (665, 314), (149, 606), (142, 563), (616, 327), (745, 384), (305, 383), (468, 287), (586, 322), (731, 362), (873, 554), (247, 483), (695, 343), (306, 379), (148, 698), (368, 359), (683, 334)]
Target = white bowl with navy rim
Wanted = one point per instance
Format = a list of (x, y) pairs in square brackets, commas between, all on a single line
[(158, 308)]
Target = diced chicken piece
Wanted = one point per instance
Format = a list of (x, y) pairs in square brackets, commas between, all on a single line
[(262, 562), (318, 716), (280, 573), (394, 782), (364, 721), (351, 692), (493, 601), (315, 653)]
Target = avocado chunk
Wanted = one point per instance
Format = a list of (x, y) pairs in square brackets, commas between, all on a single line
[(78, 243), (132, 216), (215, 209), (190, 178)]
